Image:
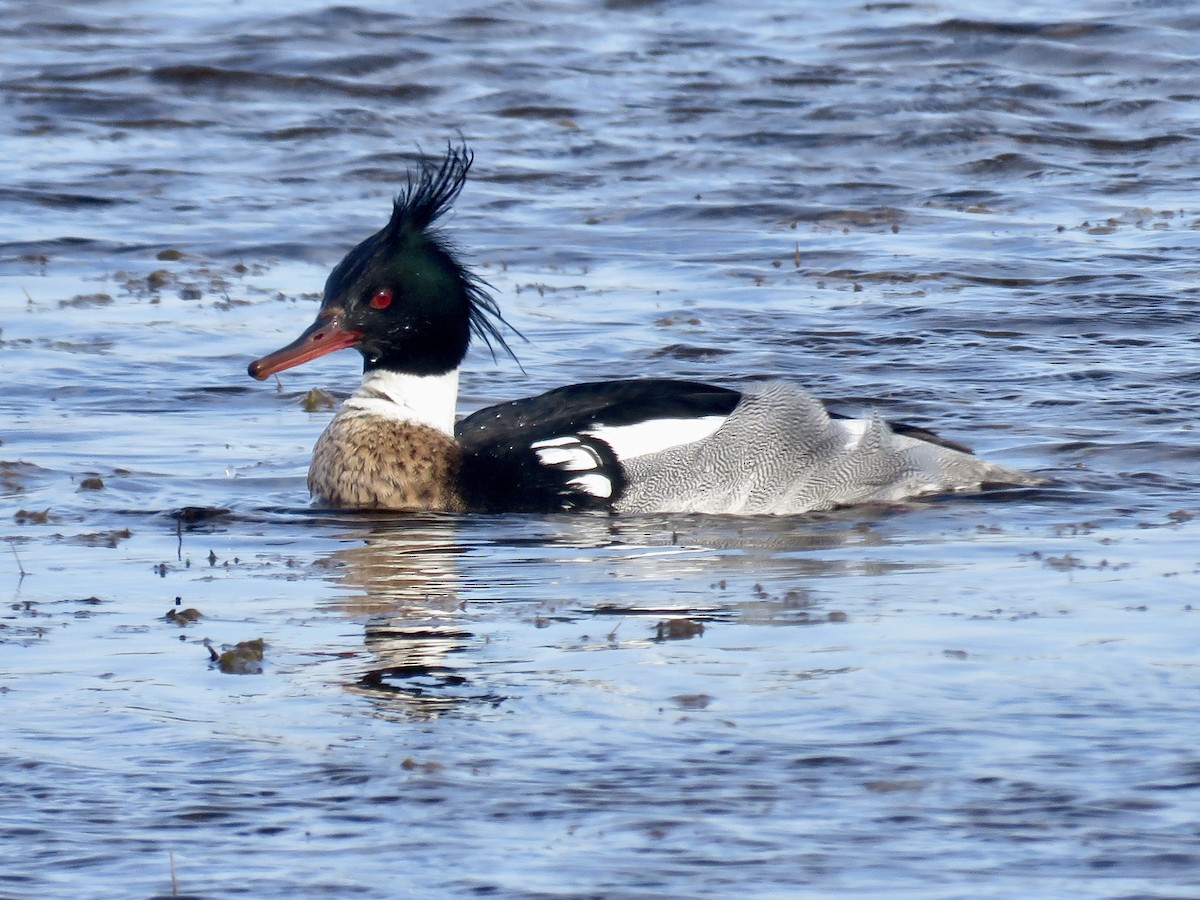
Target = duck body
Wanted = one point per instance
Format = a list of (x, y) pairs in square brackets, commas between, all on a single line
[(408, 305)]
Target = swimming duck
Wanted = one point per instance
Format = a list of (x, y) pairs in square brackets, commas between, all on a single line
[(409, 305)]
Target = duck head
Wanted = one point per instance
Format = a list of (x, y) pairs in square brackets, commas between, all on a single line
[(402, 298)]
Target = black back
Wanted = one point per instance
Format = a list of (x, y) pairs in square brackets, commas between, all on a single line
[(578, 407)]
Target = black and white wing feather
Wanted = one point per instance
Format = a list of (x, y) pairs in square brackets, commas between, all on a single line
[(564, 449)]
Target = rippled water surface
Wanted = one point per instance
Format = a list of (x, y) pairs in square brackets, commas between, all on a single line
[(976, 220)]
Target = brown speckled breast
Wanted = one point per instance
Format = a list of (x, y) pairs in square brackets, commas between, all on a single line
[(369, 462)]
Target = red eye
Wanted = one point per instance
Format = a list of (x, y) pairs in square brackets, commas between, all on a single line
[(382, 298)]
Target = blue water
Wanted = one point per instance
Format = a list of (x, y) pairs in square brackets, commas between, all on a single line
[(978, 220)]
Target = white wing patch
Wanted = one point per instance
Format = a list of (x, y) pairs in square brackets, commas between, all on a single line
[(655, 435), (567, 453), (572, 455), (596, 485)]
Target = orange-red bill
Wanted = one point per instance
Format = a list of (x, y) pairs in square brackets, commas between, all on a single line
[(323, 336)]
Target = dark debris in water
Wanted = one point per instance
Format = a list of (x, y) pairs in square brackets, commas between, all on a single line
[(1069, 561), (15, 475), (670, 321), (688, 351), (408, 764), (1176, 517), (797, 606), (1140, 218), (678, 629), (423, 690), (27, 622), (191, 515), (110, 538), (622, 609), (87, 345), (86, 300), (378, 678), (189, 281), (692, 701), (199, 518)]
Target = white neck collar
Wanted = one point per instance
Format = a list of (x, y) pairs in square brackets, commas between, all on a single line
[(421, 399)]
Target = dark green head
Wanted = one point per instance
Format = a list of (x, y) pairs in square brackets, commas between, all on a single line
[(402, 297)]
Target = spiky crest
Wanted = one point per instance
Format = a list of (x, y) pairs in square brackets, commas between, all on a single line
[(424, 200)]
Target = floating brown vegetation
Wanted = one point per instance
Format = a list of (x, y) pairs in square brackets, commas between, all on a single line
[(243, 658), (96, 538), (14, 475), (80, 300), (1142, 217), (678, 629), (183, 617), (317, 399)]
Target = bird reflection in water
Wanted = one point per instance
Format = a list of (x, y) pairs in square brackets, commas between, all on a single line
[(402, 581)]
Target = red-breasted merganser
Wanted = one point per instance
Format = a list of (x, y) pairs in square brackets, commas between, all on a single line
[(406, 302)]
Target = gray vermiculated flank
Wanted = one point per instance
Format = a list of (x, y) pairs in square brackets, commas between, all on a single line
[(779, 452)]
